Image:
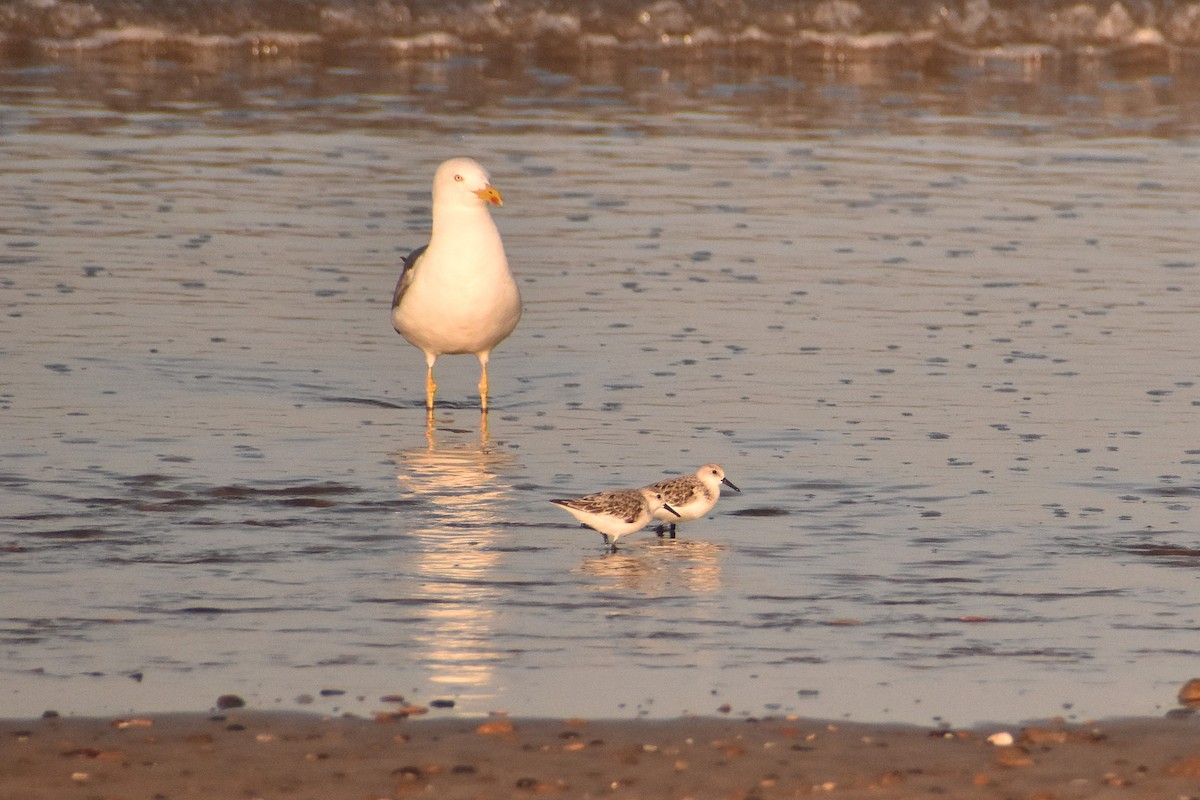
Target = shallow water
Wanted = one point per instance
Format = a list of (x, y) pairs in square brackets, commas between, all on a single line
[(940, 334)]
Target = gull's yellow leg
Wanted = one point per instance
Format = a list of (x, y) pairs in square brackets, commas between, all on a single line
[(483, 381), (430, 385)]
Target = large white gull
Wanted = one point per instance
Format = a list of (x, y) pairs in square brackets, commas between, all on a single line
[(456, 294)]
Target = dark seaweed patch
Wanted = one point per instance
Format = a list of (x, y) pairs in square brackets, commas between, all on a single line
[(761, 511)]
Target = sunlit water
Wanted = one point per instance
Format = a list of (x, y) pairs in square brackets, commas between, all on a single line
[(948, 356)]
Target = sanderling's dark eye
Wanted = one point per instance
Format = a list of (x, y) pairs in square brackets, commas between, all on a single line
[(458, 178)]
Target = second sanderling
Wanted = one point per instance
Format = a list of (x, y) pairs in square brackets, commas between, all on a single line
[(689, 496)]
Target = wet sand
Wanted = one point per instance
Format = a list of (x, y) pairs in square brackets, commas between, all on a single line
[(264, 755)]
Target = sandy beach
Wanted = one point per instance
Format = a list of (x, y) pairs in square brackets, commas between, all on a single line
[(253, 754)]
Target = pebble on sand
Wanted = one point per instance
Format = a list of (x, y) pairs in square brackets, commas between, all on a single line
[(1189, 693), (230, 701), (499, 727), (132, 722), (403, 712)]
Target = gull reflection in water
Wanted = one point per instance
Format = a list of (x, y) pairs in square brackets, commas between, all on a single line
[(465, 496), (661, 567)]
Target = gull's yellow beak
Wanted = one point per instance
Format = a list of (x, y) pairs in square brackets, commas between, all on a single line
[(490, 194)]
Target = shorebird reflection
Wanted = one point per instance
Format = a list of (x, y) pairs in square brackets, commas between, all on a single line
[(663, 567), (465, 494)]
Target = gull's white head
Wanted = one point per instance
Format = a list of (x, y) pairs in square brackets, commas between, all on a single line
[(464, 181)]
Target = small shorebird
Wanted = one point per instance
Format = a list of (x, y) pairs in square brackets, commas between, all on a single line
[(616, 513), (456, 294), (690, 496)]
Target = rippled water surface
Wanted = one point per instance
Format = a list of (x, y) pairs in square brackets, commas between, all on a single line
[(941, 332)]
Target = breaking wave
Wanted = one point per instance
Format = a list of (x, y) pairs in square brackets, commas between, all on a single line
[(1161, 34)]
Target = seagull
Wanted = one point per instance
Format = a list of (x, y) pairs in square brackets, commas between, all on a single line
[(456, 294), (616, 513), (690, 496)]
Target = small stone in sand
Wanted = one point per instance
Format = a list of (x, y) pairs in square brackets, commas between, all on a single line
[(1185, 768), (499, 727), (134, 722), (1189, 693)]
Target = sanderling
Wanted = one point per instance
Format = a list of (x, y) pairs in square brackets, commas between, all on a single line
[(690, 496), (616, 513), (456, 294)]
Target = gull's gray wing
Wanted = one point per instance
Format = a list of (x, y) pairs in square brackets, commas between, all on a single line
[(406, 274)]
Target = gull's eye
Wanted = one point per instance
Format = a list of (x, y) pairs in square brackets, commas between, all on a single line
[(458, 178)]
